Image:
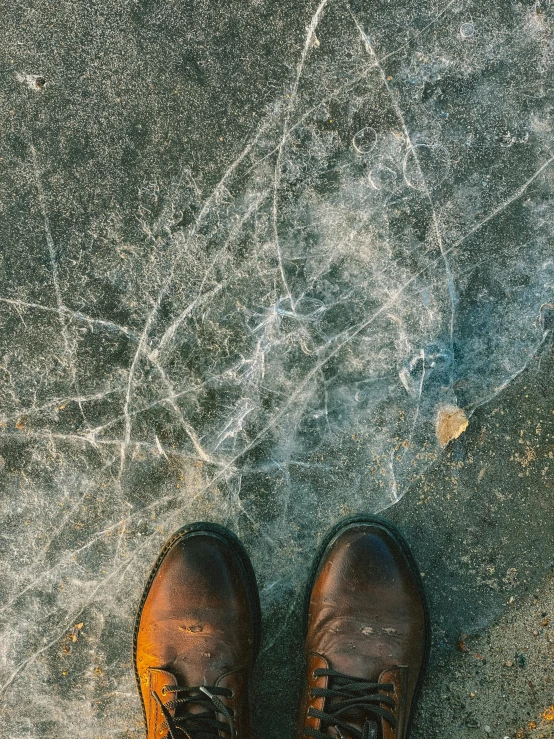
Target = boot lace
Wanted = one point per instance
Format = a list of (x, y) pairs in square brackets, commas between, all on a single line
[(202, 725), (350, 698)]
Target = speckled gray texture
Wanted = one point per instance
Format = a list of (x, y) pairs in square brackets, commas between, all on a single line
[(249, 251)]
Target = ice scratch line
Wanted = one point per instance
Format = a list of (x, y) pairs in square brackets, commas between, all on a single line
[(506, 203), (484, 401), (170, 332), (52, 252), (57, 402), (353, 82), (350, 334), (25, 663), (165, 287), (72, 314), (307, 46), (179, 413), (55, 277), (448, 271)]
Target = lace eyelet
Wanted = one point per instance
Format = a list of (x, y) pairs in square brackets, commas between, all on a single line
[(314, 676), (164, 690), (232, 693)]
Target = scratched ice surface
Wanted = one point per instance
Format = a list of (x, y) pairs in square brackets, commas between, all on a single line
[(273, 353)]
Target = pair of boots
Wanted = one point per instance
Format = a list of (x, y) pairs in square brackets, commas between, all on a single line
[(197, 634)]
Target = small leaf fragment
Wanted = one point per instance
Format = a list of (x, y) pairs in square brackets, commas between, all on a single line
[(451, 423)]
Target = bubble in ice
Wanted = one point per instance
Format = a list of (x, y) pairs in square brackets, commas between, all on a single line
[(467, 30), (364, 141)]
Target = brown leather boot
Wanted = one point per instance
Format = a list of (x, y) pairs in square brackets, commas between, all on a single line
[(197, 634), (368, 635)]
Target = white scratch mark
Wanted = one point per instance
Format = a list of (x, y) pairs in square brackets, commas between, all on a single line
[(160, 447), (58, 634), (394, 495), (164, 289), (170, 331), (518, 193), (109, 325), (55, 278), (349, 334), (186, 425), (436, 226), (56, 402), (53, 256), (308, 44)]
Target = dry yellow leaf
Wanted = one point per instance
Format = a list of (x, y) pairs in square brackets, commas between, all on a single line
[(451, 423)]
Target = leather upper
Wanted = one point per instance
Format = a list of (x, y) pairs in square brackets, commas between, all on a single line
[(196, 629), (366, 619)]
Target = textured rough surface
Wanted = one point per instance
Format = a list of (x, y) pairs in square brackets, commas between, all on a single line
[(250, 252)]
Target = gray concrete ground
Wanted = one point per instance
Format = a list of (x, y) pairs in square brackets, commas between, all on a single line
[(252, 256)]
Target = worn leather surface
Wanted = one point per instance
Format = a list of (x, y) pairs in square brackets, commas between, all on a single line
[(197, 626), (366, 619)]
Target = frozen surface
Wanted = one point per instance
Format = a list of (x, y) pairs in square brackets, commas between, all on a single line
[(268, 343)]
